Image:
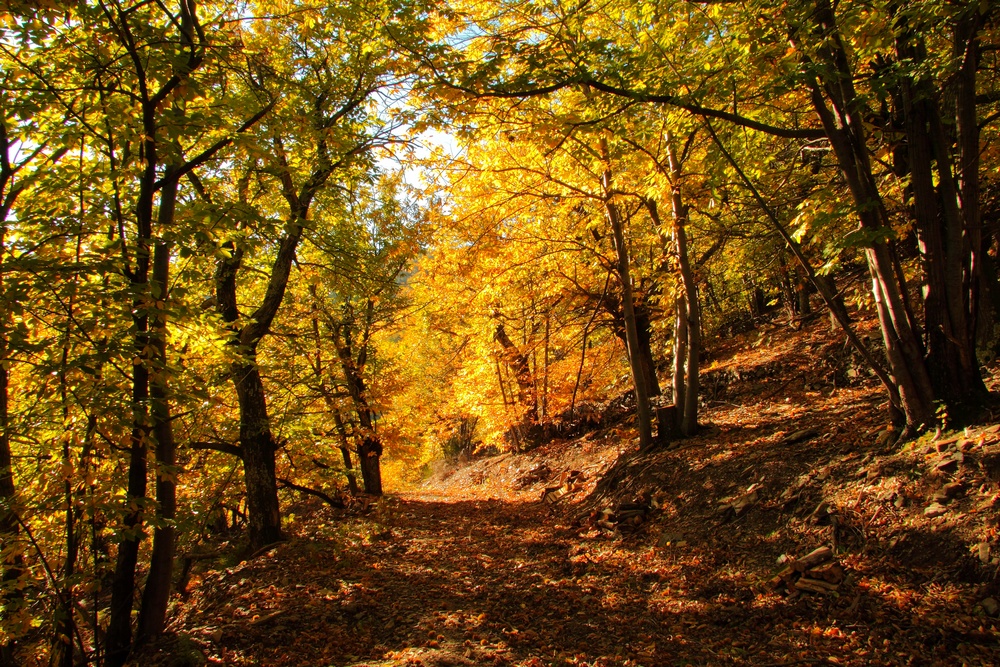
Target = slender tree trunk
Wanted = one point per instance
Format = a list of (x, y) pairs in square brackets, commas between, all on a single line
[(370, 447), (65, 623), (644, 328), (118, 640), (10, 557), (689, 414), (639, 380), (319, 370), (500, 381), (519, 364), (844, 128), (156, 595), (256, 440), (545, 376), (823, 287), (345, 450)]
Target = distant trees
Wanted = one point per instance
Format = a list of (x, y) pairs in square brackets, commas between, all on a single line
[(905, 140)]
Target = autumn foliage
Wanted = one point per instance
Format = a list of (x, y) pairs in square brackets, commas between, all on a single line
[(252, 252)]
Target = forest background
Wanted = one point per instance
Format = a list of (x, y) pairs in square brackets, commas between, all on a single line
[(236, 264)]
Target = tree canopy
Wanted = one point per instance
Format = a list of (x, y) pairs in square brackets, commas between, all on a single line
[(250, 250)]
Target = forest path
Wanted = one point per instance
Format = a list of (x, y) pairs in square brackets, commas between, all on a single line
[(452, 580), (472, 569), (427, 579)]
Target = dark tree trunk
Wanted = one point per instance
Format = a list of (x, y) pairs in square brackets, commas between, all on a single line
[(368, 460), (640, 382), (156, 595), (843, 123), (823, 287), (12, 564), (370, 448), (345, 451), (256, 440), (644, 328), (118, 640), (945, 208), (257, 443), (10, 558), (688, 410)]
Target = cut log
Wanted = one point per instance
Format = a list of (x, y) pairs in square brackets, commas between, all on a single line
[(815, 585), (812, 559), (829, 572)]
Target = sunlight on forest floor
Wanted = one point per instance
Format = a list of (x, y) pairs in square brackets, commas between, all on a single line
[(471, 570)]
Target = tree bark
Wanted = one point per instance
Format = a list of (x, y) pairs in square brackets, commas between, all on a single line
[(11, 561), (823, 287), (257, 443), (518, 363), (689, 409), (680, 357), (842, 121), (370, 447), (345, 451), (156, 595), (368, 460), (639, 380)]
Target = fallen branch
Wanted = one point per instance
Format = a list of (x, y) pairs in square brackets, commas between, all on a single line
[(332, 502)]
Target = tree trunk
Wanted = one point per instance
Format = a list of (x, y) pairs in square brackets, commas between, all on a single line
[(370, 448), (844, 127), (688, 421), (639, 380), (823, 287), (156, 595), (368, 460), (345, 451), (10, 557), (545, 370), (644, 328), (256, 440), (945, 208), (118, 640), (518, 363), (257, 443)]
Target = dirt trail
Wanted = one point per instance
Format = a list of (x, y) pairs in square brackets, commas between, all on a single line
[(443, 583), (437, 582), (476, 571)]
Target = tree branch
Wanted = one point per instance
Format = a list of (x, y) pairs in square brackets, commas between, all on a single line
[(332, 502), (207, 154)]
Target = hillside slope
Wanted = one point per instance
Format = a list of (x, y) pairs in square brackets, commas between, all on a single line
[(659, 558)]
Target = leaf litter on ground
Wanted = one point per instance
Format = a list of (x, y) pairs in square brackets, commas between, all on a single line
[(658, 558)]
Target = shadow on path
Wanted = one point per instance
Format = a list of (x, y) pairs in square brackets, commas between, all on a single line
[(431, 582)]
